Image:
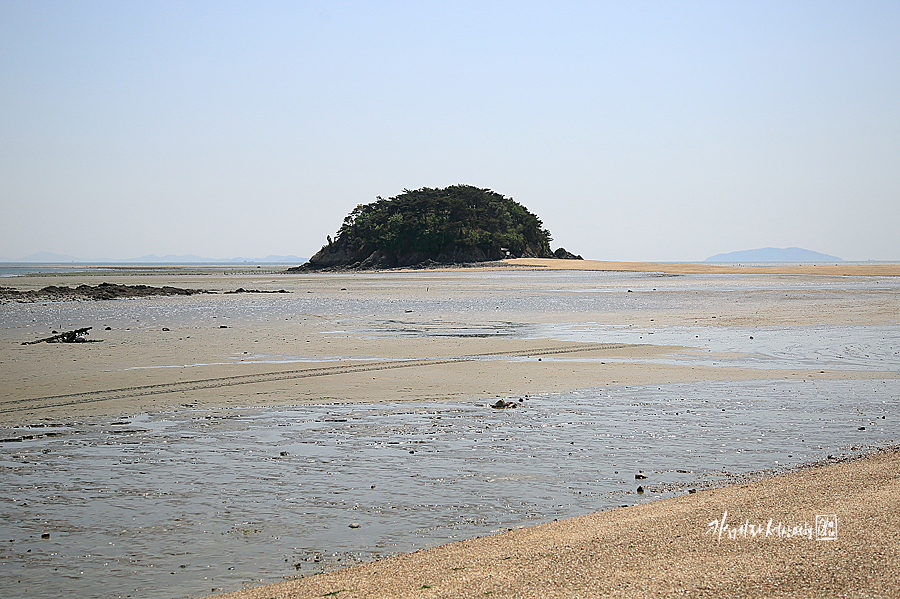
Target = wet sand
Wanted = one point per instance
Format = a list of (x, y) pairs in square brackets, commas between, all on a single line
[(668, 548), (153, 342), (850, 270), (411, 349)]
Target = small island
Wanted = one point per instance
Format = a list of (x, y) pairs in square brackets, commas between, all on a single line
[(424, 227)]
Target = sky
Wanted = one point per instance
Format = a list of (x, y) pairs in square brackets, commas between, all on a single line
[(635, 130)]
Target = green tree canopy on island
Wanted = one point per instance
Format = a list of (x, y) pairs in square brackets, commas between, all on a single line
[(460, 223)]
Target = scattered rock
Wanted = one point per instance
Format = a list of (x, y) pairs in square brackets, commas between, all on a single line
[(563, 254), (354, 525), (103, 291), (242, 290), (640, 476), (640, 490), (502, 404)]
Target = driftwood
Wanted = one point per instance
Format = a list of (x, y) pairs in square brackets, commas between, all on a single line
[(76, 336)]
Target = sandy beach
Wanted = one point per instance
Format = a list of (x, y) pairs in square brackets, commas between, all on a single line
[(820, 532), (847, 270), (486, 334)]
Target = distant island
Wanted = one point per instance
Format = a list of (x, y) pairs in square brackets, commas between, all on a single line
[(774, 255), (190, 258), (457, 224)]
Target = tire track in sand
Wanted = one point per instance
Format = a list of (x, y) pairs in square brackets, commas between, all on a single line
[(56, 401)]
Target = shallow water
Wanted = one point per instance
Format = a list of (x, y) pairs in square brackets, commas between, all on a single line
[(447, 299), (171, 505), (836, 347), (167, 505)]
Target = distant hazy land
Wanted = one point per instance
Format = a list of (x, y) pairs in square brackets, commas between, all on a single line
[(774, 255), (792, 254), (51, 258)]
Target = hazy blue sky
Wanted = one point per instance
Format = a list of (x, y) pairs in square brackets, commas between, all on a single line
[(635, 130)]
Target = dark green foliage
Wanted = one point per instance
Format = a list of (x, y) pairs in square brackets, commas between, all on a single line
[(460, 223)]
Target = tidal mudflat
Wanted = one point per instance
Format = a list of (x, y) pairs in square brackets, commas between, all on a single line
[(164, 505), (175, 493)]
